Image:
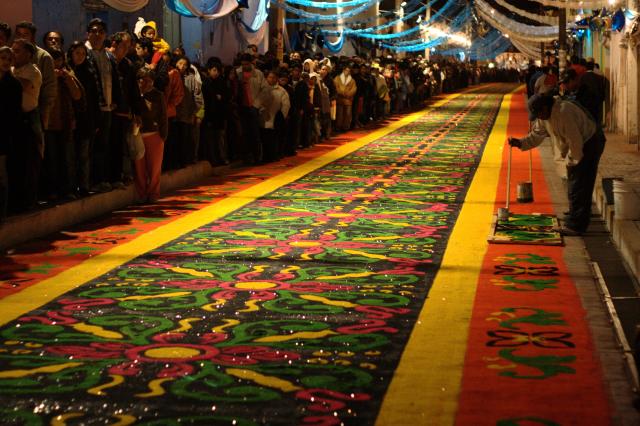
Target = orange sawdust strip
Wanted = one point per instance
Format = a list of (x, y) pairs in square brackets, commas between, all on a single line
[(530, 357)]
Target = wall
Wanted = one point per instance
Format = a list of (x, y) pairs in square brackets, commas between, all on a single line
[(15, 11), (71, 18)]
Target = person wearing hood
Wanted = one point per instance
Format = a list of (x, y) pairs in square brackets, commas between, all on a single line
[(345, 91)]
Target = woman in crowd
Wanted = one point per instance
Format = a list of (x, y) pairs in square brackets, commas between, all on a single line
[(186, 119), (86, 113), (173, 95), (59, 167), (154, 130)]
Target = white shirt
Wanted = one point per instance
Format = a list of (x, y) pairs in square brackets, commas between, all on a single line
[(571, 127), (30, 92)]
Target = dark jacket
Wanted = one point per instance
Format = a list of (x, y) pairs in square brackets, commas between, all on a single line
[(10, 110), (88, 111), (130, 100), (216, 95), (154, 113)]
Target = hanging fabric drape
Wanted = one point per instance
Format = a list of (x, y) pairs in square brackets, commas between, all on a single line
[(513, 28), (419, 44), (314, 17), (445, 8), (326, 5), (253, 18), (543, 19), (575, 4), (210, 11), (206, 7), (126, 5), (533, 51)]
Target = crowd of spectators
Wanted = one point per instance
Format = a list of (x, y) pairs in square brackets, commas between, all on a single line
[(98, 114)]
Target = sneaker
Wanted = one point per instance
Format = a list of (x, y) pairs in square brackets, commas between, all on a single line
[(567, 232)]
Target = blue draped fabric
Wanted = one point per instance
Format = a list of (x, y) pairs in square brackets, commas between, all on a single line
[(327, 5), (206, 7)]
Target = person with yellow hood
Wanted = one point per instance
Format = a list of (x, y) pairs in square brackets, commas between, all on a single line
[(149, 30)]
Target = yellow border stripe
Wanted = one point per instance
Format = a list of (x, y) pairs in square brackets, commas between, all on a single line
[(426, 384), (15, 305)]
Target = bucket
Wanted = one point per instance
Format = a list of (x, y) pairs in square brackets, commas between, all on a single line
[(626, 203), (524, 192)]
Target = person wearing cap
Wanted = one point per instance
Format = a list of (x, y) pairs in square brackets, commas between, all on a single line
[(581, 143)]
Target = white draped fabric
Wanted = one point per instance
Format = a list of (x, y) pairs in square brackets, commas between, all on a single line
[(253, 37), (126, 5), (516, 30), (527, 49), (548, 20), (575, 4), (226, 7)]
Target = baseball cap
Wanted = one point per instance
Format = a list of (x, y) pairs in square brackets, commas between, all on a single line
[(534, 104)]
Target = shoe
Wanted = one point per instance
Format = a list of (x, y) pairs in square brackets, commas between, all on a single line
[(101, 187), (567, 232)]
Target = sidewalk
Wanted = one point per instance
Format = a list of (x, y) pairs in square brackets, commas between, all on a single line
[(620, 160), (39, 223)]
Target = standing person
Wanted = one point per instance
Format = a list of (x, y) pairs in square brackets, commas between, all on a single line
[(10, 116), (154, 129), (5, 34), (591, 91), (53, 40), (216, 96), (286, 143), (186, 118), (25, 156), (253, 89), (173, 95), (59, 146), (328, 90), (581, 143), (276, 113), (126, 113), (105, 65), (87, 115), (42, 59), (345, 90)]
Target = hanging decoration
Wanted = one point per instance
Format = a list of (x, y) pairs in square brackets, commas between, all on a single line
[(543, 19), (513, 28), (315, 17), (253, 18), (126, 5), (441, 36), (577, 4), (327, 5), (362, 34), (210, 10), (618, 20), (335, 46)]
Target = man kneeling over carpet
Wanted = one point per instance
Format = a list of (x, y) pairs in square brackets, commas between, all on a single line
[(581, 144)]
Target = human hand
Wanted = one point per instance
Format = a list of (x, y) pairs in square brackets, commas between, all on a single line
[(514, 142)]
